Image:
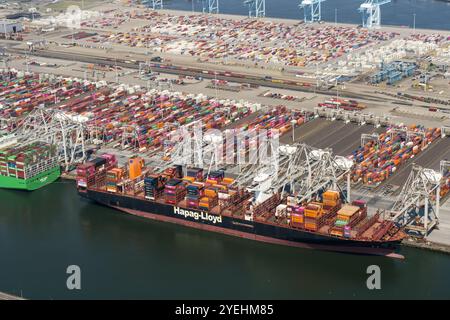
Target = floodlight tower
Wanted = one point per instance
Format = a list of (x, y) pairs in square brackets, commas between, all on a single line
[(210, 6), (256, 7), (371, 13), (312, 10)]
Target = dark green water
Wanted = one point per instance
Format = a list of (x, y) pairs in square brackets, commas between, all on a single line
[(121, 256)]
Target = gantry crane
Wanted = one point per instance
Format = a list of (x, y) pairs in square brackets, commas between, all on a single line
[(210, 6), (55, 127), (417, 206), (371, 13), (299, 168), (155, 4), (257, 8), (312, 10)]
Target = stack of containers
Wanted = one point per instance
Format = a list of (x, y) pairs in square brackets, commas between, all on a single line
[(196, 173), (347, 217), (313, 213), (113, 177), (93, 173), (153, 187), (27, 161), (195, 192), (86, 175), (21, 93), (297, 216), (378, 160), (331, 199), (174, 191), (150, 117), (215, 177), (210, 200)]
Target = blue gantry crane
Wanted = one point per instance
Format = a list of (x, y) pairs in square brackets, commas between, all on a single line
[(256, 8), (312, 10), (158, 4), (155, 4), (371, 13), (210, 6)]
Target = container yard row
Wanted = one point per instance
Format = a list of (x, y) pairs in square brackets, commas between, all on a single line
[(21, 92), (252, 40), (381, 157)]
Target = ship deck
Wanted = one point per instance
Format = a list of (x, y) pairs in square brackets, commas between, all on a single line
[(271, 219)]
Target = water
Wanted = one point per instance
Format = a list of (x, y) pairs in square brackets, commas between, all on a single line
[(430, 14), (122, 256)]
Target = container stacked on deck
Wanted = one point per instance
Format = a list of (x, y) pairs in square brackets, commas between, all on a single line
[(316, 214), (313, 213), (297, 214), (195, 187), (27, 161), (153, 187), (210, 199), (348, 217), (213, 186), (113, 177), (378, 160), (225, 193), (93, 173), (20, 92), (174, 191)]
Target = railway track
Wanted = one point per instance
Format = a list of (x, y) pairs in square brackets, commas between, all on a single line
[(194, 72)]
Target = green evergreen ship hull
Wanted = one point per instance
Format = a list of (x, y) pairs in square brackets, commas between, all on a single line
[(34, 183)]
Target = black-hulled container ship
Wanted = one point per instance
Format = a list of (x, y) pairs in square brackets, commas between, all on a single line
[(213, 203)]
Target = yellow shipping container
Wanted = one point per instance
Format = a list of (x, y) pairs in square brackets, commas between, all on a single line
[(346, 212)]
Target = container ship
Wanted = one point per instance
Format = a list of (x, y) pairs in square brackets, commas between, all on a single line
[(28, 167), (189, 197)]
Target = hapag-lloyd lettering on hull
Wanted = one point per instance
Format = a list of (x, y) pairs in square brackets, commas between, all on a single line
[(197, 215)]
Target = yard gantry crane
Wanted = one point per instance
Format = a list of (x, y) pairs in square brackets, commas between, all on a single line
[(417, 206), (371, 13), (256, 8), (210, 6), (312, 10)]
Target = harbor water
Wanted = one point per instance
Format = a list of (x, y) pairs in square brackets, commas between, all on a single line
[(122, 256), (398, 12)]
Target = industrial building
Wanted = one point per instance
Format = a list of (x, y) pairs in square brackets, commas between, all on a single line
[(8, 27)]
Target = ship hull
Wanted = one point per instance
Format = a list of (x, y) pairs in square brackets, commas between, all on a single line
[(31, 184), (253, 230)]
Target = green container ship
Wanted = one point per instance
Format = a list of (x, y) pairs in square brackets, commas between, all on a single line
[(28, 167)]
